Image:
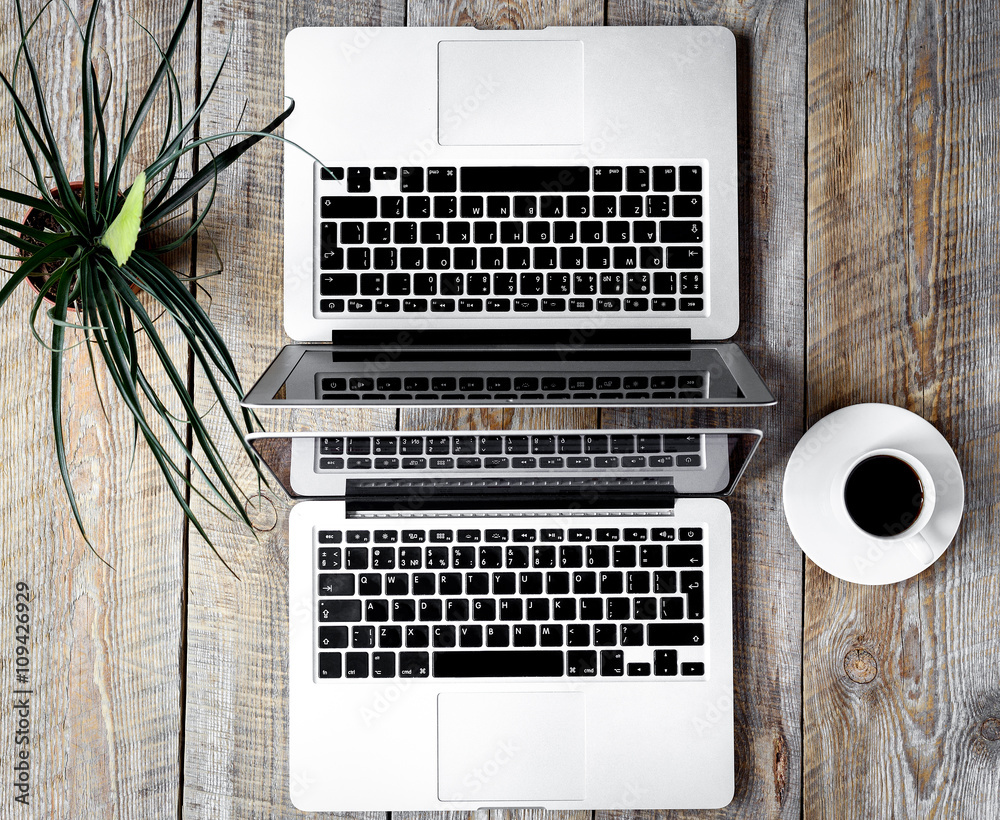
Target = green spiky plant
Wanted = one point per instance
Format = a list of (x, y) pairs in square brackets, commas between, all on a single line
[(97, 247)]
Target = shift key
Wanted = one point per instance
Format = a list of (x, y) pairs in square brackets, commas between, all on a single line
[(348, 207), (676, 634)]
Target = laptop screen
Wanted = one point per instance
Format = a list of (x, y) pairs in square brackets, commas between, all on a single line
[(669, 375), (605, 463)]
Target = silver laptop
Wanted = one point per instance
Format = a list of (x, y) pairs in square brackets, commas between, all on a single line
[(532, 217), (483, 620)]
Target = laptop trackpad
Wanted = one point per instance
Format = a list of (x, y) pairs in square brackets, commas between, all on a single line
[(507, 92), (510, 747)]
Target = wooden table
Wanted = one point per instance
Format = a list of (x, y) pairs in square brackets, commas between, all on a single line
[(869, 260)]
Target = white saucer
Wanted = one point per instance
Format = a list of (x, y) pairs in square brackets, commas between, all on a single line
[(820, 461)]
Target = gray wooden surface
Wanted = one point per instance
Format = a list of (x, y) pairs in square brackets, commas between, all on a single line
[(159, 686)]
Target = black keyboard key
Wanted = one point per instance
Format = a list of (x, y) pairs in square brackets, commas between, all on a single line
[(624, 555), (463, 557), (671, 609), (665, 662), (637, 178), (684, 257), (498, 635), (692, 669), (363, 637), (693, 586), (330, 558), (470, 635), (683, 634), (332, 637), (618, 609), (537, 609), (640, 670), (611, 582), (637, 583), (414, 664), (340, 611), (607, 178), (526, 178), (690, 178), (552, 207), (411, 180), (525, 635), (456, 609), (606, 207), (510, 663), (526, 206), (612, 663), (330, 664), (657, 206), (584, 583), (651, 555), (544, 557), (348, 207), (581, 663), (686, 206), (336, 584), (383, 665), (679, 231), (418, 637), (631, 634), (443, 635), (685, 555), (359, 180), (664, 178), (550, 635), (644, 608), (443, 180), (530, 583), (356, 665)]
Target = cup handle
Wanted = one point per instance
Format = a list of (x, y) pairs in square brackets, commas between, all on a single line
[(921, 549)]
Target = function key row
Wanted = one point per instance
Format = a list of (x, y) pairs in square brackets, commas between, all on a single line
[(446, 179), (513, 556)]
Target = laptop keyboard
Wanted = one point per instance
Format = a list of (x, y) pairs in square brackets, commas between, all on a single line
[(614, 238), (597, 452), (505, 387), (503, 599)]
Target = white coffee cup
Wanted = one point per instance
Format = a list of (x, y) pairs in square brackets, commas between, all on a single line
[(904, 529)]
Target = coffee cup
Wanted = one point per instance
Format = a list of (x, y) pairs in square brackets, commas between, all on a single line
[(888, 495)]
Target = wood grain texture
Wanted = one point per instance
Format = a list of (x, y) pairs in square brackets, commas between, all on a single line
[(902, 284), (767, 566), (106, 703), (236, 733)]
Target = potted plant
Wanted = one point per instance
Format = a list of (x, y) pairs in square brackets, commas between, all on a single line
[(93, 247)]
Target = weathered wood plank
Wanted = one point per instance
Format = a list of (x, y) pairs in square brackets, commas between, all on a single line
[(767, 566), (106, 703), (903, 232), (236, 762)]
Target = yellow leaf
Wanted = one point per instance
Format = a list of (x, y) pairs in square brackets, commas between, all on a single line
[(122, 233)]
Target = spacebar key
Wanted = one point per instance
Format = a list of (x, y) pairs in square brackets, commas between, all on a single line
[(552, 179), (485, 664)]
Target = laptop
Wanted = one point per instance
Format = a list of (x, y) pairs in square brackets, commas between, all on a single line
[(548, 625), (511, 217)]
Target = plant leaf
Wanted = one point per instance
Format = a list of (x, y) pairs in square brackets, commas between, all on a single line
[(121, 234)]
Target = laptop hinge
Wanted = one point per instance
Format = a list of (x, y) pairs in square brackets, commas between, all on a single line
[(403, 341), (427, 495)]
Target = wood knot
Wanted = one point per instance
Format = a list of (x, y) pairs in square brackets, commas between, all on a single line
[(261, 512), (990, 729), (860, 666)]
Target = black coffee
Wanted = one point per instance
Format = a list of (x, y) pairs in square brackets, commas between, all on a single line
[(883, 495)]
